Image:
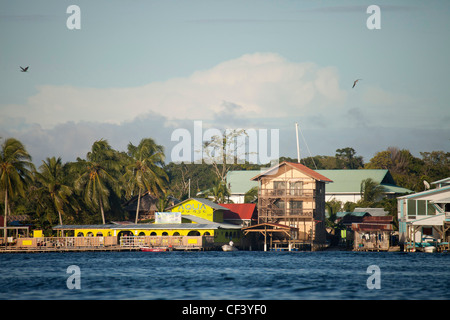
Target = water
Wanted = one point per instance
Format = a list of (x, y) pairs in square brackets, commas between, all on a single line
[(225, 275)]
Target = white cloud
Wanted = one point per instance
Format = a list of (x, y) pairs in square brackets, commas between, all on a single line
[(261, 84)]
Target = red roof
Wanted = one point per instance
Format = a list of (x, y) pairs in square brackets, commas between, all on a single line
[(300, 167), (244, 211)]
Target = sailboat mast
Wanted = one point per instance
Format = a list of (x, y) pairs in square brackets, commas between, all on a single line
[(298, 146)]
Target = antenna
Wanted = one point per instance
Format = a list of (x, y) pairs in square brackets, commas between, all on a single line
[(298, 146)]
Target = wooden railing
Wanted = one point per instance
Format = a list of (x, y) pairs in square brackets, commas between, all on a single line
[(277, 212), (287, 192), (112, 241), (166, 241)]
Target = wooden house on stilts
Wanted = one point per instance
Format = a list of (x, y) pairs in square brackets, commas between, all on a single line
[(291, 207)]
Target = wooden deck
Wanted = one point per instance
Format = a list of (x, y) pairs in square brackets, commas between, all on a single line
[(127, 243)]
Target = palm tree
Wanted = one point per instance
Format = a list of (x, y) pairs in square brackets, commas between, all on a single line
[(15, 171), (51, 177), (220, 192), (332, 207), (144, 170), (95, 179), (371, 191), (251, 195)]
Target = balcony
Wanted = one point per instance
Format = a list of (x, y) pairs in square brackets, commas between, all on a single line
[(285, 213), (287, 193)]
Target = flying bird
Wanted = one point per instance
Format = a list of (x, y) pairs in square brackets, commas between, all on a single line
[(354, 83), (24, 69)]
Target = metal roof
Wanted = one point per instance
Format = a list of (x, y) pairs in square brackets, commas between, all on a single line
[(201, 200), (304, 169), (350, 180), (199, 224), (239, 181), (85, 226)]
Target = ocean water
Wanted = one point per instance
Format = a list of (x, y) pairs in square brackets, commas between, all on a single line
[(225, 275)]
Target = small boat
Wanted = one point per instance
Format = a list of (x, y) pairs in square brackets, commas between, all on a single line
[(150, 249), (229, 247), (430, 249)]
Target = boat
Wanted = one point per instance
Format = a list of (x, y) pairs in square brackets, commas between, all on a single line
[(151, 249), (429, 249), (229, 247)]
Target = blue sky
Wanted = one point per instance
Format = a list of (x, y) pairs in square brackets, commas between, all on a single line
[(145, 68)]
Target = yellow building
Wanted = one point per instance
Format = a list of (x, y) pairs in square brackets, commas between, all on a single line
[(192, 217)]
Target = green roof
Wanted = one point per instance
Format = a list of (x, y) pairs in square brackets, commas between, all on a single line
[(344, 181), (239, 181), (350, 180)]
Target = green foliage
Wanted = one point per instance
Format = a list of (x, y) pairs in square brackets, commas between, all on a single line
[(76, 192), (410, 172)]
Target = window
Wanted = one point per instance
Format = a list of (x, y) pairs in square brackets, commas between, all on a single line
[(411, 208), (296, 204), (296, 188), (421, 207), (279, 187)]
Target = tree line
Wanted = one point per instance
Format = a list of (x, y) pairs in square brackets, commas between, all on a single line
[(93, 189)]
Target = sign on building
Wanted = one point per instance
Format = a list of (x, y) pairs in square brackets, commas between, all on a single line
[(167, 217)]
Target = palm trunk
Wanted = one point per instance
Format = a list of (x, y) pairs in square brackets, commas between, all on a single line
[(138, 206), (60, 217), (101, 210), (6, 214)]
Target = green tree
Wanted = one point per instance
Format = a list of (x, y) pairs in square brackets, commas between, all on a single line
[(371, 192), (15, 171), (219, 192), (51, 177), (145, 170), (251, 195), (332, 207), (95, 179), (346, 159)]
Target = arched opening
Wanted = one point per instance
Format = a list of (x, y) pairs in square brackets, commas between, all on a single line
[(89, 234), (80, 234), (124, 233), (99, 234), (165, 233), (207, 233), (153, 233), (176, 234), (193, 233), (142, 233)]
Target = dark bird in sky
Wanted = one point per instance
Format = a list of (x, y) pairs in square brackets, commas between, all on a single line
[(354, 83), (24, 69)]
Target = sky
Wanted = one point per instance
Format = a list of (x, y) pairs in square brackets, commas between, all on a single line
[(137, 69)]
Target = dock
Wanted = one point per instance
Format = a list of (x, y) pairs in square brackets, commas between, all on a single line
[(113, 243)]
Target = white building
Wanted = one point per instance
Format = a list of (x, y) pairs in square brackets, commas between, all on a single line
[(424, 217)]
